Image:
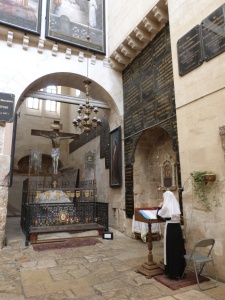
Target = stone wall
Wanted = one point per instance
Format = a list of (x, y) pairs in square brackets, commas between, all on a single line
[(4, 181), (200, 112)]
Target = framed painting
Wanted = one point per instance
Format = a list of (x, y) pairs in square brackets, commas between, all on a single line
[(71, 21), (115, 170), (21, 14)]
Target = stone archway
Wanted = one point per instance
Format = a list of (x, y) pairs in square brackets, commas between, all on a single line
[(60, 79)]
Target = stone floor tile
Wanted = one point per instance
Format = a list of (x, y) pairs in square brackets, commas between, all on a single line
[(105, 271), (34, 290), (217, 293), (46, 263), (7, 296), (32, 277), (146, 292), (193, 294)]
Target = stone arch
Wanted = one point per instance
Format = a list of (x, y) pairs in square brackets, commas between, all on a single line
[(149, 154)]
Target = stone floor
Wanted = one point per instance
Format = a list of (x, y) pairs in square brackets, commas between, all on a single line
[(101, 272)]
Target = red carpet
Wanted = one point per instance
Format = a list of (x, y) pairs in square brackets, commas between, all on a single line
[(79, 242), (175, 284)]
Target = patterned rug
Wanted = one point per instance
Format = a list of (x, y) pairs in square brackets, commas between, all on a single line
[(73, 243), (175, 284)]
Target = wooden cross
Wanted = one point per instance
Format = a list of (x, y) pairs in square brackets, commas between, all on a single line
[(54, 184), (56, 126)]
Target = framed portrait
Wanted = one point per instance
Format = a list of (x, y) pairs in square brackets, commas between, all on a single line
[(71, 21), (115, 170), (21, 14)]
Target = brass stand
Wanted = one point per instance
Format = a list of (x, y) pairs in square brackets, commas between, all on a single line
[(150, 268)]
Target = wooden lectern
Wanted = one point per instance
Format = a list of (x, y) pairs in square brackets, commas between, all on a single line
[(149, 268)]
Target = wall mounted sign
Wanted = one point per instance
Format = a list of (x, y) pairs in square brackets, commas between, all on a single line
[(6, 107)]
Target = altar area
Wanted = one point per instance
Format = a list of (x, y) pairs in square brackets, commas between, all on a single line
[(63, 206)]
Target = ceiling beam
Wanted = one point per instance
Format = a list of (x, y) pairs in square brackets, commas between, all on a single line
[(65, 99)]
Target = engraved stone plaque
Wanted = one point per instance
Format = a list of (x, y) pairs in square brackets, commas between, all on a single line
[(213, 33), (189, 51)]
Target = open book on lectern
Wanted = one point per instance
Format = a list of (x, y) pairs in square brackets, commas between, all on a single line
[(148, 214)]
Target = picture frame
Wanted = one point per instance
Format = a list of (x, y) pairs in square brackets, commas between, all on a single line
[(71, 21), (24, 15), (115, 170)]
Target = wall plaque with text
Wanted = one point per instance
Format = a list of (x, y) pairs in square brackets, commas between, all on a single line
[(213, 33), (189, 50), (6, 107)]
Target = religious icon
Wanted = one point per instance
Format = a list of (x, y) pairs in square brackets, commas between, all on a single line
[(87, 193), (68, 194), (77, 194), (38, 194), (63, 216)]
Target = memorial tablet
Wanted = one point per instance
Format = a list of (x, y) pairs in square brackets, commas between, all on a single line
[(164, 109), (129, 176), (128, 128), (189, 51), (213, 33), (129, 204), (138, 119), (159, 46), (163, 72), (149, 116)]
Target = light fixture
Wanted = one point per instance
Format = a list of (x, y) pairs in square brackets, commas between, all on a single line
[(87, 119)]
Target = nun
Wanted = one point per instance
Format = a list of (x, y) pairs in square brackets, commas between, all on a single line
[(169, 210)]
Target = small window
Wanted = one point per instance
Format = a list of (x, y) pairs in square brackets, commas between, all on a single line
[(51, 105), (33, 103)]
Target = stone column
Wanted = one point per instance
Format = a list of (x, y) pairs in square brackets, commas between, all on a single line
[(4, 179)]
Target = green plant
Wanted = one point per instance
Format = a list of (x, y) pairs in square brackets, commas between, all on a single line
[(201, 186)]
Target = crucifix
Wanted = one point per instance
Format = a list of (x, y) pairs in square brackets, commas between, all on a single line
[(55, 136)]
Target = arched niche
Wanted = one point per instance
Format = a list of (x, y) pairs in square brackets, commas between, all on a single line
[(154, 152)]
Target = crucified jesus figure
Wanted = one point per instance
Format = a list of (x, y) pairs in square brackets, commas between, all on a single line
[(55, 153)]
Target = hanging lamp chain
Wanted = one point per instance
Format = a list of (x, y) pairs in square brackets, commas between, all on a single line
[(84, 122)]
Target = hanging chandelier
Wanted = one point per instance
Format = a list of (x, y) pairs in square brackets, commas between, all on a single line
[(87, 113)]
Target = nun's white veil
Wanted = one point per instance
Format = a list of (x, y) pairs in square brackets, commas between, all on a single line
[(170, 206)]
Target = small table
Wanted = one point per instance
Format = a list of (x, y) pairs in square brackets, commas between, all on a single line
[(149, 268)]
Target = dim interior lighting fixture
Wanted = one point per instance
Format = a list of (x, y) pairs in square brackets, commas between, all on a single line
[(85, 121)]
